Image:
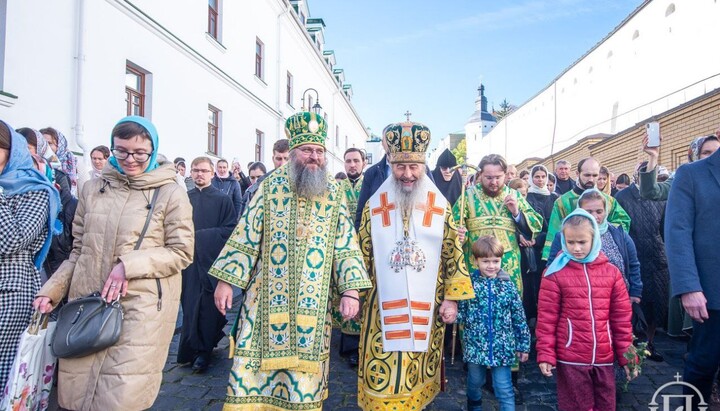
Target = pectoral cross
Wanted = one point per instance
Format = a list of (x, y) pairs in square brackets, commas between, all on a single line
[(408, 114), (384, 209), (429, 208)]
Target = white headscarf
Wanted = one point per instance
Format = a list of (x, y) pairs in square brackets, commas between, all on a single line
[(534, 188)]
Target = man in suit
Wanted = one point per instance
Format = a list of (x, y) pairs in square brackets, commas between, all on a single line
[(691, 230)]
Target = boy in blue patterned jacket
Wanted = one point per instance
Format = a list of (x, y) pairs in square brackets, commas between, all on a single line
[(495, 329)]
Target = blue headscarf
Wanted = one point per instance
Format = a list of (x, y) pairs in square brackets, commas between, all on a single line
[(603, 227), (152, 162), (563, 259), (20, 176)]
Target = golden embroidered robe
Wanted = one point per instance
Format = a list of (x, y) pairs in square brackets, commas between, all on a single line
[(398, 380), (286, 252)]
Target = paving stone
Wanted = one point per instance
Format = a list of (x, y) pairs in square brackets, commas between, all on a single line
[(191, 392)]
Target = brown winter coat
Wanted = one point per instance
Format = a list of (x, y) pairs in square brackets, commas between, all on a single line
[(110, 216)]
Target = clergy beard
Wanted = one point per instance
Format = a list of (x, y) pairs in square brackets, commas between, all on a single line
[(492, 193), (407, 197), (305, 182)]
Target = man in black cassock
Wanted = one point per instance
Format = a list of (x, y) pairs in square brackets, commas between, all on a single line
[(214, 217)]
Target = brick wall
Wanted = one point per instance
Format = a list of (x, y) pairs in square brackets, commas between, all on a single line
[(678, 127)]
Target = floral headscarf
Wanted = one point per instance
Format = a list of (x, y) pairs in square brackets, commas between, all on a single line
[(696, 147), (68, 162)]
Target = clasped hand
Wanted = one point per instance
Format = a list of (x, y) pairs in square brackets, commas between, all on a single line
[(448, 311)]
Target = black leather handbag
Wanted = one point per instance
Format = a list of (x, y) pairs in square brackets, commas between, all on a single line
[(90, 324)]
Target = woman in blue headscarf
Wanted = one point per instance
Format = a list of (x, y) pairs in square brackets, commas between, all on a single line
[(28, 207), (112, 212)]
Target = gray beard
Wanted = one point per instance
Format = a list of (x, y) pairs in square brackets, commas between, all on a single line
[(305, 182), (407, 198)]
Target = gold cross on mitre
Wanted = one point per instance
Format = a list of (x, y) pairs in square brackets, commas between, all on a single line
[(407, 114)]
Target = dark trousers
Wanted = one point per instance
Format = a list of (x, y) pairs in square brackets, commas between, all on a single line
[(703, 357), (585, 387), (349, 344)]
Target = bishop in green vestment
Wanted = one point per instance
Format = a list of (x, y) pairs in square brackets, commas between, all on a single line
[(293, 243), (588, 172)]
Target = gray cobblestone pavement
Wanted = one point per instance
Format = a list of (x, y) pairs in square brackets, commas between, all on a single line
[(183, 390)]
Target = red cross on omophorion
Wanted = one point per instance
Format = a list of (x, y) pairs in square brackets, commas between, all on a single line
[(429, 208), (384, 209)]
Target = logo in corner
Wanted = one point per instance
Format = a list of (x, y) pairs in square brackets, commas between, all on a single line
[(685, 399)]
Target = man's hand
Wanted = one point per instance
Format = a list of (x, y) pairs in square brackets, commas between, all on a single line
[(461, 234), (546, 369), (350, 304), (652, 152), (511, 204), (448, 311), (116, 285), (635, 300), (223, 297), (522, 356), (695, 305), (43, 304), (526, 243)]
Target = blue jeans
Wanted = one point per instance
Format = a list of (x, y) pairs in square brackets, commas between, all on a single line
[(502, 383)]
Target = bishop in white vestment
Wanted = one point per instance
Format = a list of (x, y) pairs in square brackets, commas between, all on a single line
[(408, 238)]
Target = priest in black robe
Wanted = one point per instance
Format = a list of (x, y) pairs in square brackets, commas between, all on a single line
[(447, 180), (215, 218)]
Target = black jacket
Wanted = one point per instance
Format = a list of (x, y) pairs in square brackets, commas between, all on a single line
[(62, 244), (645, 230), (231, 187)]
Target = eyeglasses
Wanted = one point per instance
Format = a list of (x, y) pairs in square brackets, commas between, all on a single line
[(139, 157), (310, 151), (200, 171)]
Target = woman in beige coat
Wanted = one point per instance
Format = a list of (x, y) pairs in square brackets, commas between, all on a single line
[(110, 216)]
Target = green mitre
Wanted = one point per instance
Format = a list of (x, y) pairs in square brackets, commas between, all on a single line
[(306, 128)]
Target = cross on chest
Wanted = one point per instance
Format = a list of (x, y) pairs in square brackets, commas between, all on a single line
[(384, 209), (429, 208)]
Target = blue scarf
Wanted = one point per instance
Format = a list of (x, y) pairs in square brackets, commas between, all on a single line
[(604, 225), (20, 176), (563, 259), (152, 163)]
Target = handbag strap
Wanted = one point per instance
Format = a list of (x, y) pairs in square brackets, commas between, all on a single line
[(151, 208)]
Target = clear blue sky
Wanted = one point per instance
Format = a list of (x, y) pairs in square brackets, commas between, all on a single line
[(429, 56)]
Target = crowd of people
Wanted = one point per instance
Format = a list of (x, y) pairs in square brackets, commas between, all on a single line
[(581, 264)]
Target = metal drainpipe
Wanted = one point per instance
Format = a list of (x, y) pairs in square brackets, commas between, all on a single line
[(79, 64), (279, 123)]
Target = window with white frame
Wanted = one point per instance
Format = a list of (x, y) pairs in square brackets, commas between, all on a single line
[(213, 130), (214, 19), (259, 55)]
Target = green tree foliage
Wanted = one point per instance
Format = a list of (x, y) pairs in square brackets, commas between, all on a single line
[(505, 109), (460, 152)]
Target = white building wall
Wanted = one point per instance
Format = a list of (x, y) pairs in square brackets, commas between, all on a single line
[(650, 64), (189, 70)]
